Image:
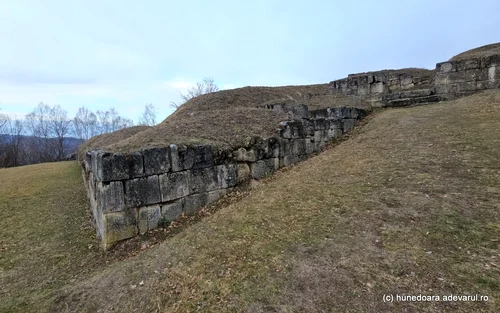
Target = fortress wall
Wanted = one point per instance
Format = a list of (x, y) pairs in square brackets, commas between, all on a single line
[(450, 80), (464, 77), (131, 193), (376, 85)]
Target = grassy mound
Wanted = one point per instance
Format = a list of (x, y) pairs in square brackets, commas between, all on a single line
[(225, 118), (480, 52), (410, 204)]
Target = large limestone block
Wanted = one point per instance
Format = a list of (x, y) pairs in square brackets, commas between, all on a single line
[(289, 160), (182, 157), (110, 196), (142, 191), (319, 124), (203, 156), (378, 87), (227, 175), (174, 185), (149, 217), (193, 203), (298, 146), (262, 168), (244, 155), (119, 226), (348, 124), (215, 195), (285, 147), (203, 179), (243, 171), (117, 166), (292, 129), (173, 210), (156, 160)]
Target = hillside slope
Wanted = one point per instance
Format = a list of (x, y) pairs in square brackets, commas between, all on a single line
[(224, 118), (479, 52), (410, 204)]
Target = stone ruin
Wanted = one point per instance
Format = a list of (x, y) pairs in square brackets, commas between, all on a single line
[(130, 193), (449, 80)]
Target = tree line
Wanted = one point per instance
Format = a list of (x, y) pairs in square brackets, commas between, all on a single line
[(48, 134)]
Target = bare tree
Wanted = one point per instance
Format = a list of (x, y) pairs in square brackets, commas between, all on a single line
[(148, 117), (38, 123), (59, 125), (104, 121), (85, 124), (206, 86)]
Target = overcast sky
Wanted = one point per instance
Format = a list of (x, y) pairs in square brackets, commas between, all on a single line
[(125, 54)]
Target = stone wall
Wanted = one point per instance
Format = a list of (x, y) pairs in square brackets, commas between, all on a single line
[(130, 193), (449, 80), (464, 77), (386, 86)]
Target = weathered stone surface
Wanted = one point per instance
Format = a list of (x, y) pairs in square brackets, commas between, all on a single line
[(285, 147), (333, 133), (215, 195), (348, 124), (319, 135), (333, 123), (244, 155), (292, 129), (149, 217), (203, 156), (243, 172), (377, 87), (273, 148), (227, 175), (222, 156), (142, 191), (319, 124), (203, 179), (182, 157), (310, 147), (322, 113), (262, 168), (110, 196), (193, 203), (118, 166), (119, 226), (289, 160), (298, 146), (156, 160), (174, 185), (173, 210)]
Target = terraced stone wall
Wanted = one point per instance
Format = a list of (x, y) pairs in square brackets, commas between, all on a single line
[(449, 80), (386, 88), (130, 193), (465, 77)]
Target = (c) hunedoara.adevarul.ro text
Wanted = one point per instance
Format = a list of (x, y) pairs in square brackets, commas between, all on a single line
[(434, 298)]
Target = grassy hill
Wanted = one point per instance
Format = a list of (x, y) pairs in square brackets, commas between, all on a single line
[(479, 52), (224, 118), (409, 204)]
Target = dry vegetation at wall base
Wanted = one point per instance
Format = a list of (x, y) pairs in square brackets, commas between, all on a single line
[(409, 205)]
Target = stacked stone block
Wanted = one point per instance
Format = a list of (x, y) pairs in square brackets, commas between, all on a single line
[(130, 193), (464, 77)]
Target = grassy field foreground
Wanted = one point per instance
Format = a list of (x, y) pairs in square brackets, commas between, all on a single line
[(409, 205)]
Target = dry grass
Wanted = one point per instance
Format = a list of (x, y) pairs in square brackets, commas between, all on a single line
[(409, 205), (226, 118), (480, 52), (46, 238), (412, 71)]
